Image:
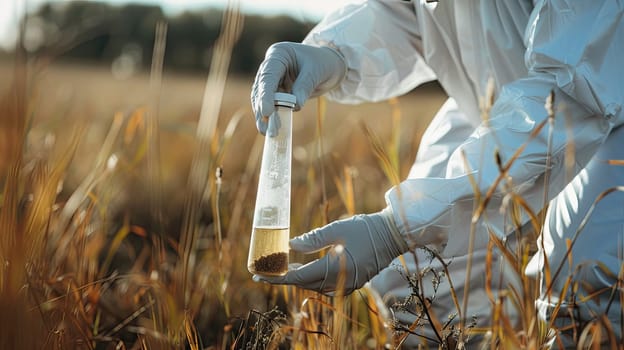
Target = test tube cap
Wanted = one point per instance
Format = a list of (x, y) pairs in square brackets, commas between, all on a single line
[(282, 97)]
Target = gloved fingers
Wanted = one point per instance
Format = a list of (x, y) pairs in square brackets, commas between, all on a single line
[(276, 279), (274, 125), (303, 275), (313, 241), (322, 275), (337, 232), (265, 86), (303, 87)]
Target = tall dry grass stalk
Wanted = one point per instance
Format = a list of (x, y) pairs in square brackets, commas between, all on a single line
[(15, 319), (200, 165), (153, 148)]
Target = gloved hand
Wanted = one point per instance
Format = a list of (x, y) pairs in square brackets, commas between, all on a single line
[(304, 70), (369, 243)]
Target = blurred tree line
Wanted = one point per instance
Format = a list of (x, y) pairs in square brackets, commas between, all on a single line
[(124, 35)]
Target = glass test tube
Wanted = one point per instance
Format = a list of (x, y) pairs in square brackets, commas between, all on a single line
[(268, 249)]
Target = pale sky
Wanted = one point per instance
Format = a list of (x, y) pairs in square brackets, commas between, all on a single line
[(301, 9)]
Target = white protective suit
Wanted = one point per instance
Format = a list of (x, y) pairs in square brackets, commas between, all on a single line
[(528, 48)]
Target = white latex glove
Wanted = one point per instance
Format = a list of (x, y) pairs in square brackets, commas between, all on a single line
[(369, 243), (305, 71)]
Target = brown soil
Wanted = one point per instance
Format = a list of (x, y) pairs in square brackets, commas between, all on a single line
[(273, 264)]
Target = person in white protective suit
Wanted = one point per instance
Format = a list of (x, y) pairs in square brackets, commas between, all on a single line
[(374, 50)]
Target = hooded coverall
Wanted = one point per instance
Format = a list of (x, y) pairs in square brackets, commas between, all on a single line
[(527, 49)]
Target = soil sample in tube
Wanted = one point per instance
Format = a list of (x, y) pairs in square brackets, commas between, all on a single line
[(268, 254)]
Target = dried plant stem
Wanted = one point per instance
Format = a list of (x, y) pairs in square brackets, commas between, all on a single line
[(153, 137), (320, 119), (550, 109), (385, 161), (394, 145), (200, 164), (13, 122), (153, 175)]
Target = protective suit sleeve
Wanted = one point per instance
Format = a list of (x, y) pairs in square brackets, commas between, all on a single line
[(574, 49), (381, 45)]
